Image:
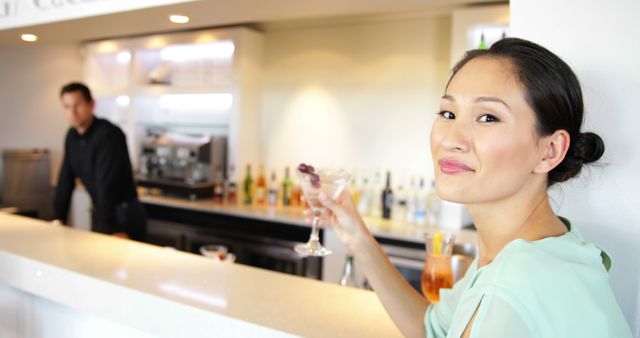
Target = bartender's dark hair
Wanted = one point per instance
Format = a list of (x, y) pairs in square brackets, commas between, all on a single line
[(77, 87), (554, 93)]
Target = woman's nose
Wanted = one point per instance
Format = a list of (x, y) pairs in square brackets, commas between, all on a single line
[(456, 137)]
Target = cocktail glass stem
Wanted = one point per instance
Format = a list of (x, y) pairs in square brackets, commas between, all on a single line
[(313, 247), (315, 230)]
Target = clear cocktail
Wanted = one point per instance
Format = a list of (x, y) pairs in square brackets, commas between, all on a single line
[(313, 182)]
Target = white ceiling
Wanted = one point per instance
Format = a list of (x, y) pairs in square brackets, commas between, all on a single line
[(213, 13)]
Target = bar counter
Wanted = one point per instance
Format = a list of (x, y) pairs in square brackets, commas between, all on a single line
[(163, 292), (380, 228)]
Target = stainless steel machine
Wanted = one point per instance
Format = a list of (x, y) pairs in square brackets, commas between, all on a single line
[(25, 182), (183, 165)]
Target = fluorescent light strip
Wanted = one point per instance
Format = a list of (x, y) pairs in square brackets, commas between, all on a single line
[(217, 50), (123, 57), (208, 102), (123, 101)]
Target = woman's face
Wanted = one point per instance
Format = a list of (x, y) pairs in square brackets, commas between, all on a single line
[(483, 141)]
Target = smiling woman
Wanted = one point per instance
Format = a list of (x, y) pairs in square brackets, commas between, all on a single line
[(508, 127)]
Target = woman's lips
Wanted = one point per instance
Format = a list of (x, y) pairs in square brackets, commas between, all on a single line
[(448, 166)]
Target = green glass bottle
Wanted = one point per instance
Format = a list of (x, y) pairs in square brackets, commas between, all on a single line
[(483, 43), (286, 188), (248, 187)]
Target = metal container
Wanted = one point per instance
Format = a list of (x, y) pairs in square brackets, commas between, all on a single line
[(183, 165), (26, 175)]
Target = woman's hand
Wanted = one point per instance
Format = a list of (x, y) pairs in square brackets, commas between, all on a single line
[(404, 304), (343, 215)]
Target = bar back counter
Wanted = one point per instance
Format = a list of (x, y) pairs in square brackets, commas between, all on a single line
[(61, 282)]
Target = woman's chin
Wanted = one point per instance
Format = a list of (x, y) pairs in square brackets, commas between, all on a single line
[(453, 195)]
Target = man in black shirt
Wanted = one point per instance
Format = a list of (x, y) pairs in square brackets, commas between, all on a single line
[(95, 151)]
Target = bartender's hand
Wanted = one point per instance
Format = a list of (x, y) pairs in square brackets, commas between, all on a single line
[(120, 235), (343, 215)]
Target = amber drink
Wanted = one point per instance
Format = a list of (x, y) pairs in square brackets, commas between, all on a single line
[(437, 272)]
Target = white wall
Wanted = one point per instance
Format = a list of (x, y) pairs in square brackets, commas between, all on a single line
[(600, 41), (359, 95), (30, 111)]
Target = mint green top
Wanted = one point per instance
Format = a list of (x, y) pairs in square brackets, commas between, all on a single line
[(554, 287)]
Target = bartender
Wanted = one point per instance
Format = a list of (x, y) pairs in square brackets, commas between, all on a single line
[(95, 152)]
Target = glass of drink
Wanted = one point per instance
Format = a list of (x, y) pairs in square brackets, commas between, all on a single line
[(219, 253), (313, 182), (437, 271)]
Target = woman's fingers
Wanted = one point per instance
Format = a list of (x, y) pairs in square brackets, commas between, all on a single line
[(325, 217), (335, 207)]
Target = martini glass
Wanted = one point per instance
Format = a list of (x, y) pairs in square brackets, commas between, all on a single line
[(331, 182)]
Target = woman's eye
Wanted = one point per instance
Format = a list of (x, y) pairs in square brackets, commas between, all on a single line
[(488, 118), (447, 115)]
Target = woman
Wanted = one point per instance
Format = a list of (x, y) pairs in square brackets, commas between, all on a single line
[(508, 127)]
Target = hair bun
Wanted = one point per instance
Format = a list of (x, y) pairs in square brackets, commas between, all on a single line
[(588, 147), (584, 148)]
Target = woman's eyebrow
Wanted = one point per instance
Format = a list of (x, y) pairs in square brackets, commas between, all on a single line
[(491, 99), (448, 97), (479, 99)]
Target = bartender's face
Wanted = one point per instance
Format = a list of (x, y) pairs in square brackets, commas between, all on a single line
[(483, 141), (79, 111)]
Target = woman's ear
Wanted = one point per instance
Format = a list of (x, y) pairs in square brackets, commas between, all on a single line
[(553, 149)]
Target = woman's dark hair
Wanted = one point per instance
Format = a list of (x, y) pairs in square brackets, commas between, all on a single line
[(77, 87), (553, 91)]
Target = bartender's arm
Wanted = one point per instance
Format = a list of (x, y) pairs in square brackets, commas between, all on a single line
[(108, 168), (64, 188)]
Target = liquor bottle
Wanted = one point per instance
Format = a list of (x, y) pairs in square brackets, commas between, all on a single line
[(433, 206), (355, 191), (421, 204), (364, 205), (376, 192), (296, 194), (248, 187), (410, 215), (218, 186), (232, 189), (286, 188), (273, 190), (387, 198), (261, 188), (400, 205)]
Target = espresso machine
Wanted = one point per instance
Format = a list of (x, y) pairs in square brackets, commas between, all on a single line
[(182, 165)]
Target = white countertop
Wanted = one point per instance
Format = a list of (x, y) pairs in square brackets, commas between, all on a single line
[(381, 228), (174, 294)]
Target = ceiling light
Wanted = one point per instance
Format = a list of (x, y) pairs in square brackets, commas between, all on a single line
[(29, 37), (175, 18)]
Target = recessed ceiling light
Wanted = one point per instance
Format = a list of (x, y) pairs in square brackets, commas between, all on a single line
[(175, 18), (29, 37)]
